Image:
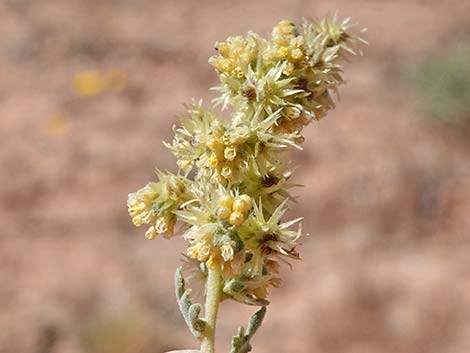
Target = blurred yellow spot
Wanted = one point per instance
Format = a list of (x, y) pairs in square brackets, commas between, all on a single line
[(88, 83), (116, 80), (57, 124), (92, 83)]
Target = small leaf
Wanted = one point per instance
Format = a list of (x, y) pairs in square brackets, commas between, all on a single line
[(255, 322), (189, 310), (193, 314), (241, 341), (179, 282)]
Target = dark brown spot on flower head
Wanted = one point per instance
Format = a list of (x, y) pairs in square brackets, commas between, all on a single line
[(270, 180), (302, 83), (270, 237), (292, 252), (319, 63), (265, 248), (249, 93), (344, 37)]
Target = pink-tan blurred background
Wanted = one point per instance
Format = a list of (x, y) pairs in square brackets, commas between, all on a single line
[(90, 88)]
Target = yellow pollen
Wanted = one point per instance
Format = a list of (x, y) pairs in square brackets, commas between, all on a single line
[(282, 52), (237, 72)]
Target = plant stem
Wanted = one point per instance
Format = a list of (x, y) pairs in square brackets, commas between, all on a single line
[(213, 298)]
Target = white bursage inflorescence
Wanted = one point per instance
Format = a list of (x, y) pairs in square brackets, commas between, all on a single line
[(232, 188)]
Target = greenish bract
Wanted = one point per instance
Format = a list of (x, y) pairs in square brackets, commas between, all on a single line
[(233, 185)]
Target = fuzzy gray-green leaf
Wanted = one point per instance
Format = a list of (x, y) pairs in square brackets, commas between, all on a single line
[(241, 341), (189, 311), (193, 314), (179, 282), (255, 322)]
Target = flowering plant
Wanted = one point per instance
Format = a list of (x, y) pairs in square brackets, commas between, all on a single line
[(233, 187)]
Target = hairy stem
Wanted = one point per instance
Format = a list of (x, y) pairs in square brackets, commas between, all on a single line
[(213, 298)]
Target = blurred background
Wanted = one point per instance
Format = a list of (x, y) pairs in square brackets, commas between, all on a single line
[(90, 88)]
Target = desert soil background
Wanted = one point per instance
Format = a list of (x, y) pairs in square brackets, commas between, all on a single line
[(386, 267)]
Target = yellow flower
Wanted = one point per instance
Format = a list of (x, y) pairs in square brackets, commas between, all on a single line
[(227, 252), (139, 204), (88, 83), (296, 54), (237, 72), (288, 69), (155, 204), (284, 28), (230, 153), (282, 52)]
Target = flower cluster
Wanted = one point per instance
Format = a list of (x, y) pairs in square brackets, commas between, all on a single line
[(232, 187), (156, 203)]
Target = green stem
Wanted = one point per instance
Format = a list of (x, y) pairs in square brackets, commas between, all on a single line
[(213, 298)]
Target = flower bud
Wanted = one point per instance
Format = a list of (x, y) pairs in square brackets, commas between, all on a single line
[(296, 54), (223, 48), (236, 219), (242, 204), (226, 201), (224, 213), (297, 41), (288, 69)]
